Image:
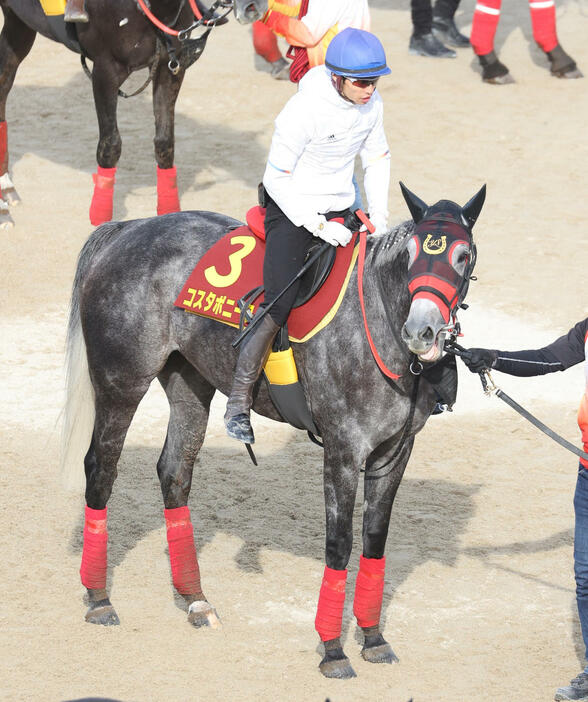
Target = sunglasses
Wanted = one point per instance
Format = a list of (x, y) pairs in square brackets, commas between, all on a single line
[(363, 82)]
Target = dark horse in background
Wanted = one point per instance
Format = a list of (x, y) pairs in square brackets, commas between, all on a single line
[(119, 39), (124, 332)]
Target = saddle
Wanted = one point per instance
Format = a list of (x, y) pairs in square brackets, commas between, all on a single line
[(226, 285), (61, 31)]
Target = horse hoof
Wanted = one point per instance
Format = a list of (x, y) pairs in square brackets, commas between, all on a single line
[(11, 197), (506, 79), (202, 613), (6, 221), (379, 654), (337, 668), (102, 612), (574, 73)]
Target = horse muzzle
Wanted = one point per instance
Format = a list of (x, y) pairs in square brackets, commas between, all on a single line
[(247, 13)]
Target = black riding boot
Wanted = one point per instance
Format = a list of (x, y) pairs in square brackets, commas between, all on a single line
[(252, 357), (75, 11)]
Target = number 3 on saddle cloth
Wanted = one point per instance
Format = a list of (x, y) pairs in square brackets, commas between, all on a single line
[(232, 270)]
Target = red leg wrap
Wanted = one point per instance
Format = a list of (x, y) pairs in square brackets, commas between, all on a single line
[(167, 191), (3, 148), (543, 22), (369, 590), (484, 23), (265, 42), (329, 613), (93, 568), (101, 206), (182, 552)]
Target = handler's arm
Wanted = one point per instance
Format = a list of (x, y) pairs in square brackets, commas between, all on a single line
[(311, 28)]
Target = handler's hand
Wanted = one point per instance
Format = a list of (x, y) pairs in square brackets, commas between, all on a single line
[(333, 232), (479, 360)]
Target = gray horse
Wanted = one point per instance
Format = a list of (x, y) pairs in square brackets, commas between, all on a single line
[(360, 374)]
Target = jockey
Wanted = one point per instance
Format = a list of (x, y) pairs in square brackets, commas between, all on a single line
[(335, 115), (563, 353), (484, 24)]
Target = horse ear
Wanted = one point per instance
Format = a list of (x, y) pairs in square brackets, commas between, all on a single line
[(471, 209), (416, 206)]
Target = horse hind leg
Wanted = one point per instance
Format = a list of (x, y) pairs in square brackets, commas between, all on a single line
[(189, 396), (16, 40), (110, 428)]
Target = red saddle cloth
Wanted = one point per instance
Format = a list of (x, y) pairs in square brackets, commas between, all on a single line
[(234, 266)]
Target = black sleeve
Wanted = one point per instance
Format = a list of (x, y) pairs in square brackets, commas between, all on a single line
[(563, 353)]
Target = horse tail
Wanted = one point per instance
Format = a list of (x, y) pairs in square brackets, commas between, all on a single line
[(79, 410)]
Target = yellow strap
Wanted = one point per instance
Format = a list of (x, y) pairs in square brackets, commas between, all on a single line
[(290, 8), (53, 7)]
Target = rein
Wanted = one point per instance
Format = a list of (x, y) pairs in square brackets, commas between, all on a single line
[(490, 388), (360, 267), (184, 34)]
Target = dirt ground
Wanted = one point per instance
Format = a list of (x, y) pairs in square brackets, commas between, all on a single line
[(479, 598)]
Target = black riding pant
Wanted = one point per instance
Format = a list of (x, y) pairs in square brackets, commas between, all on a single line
[(422, 13), (286, 248)]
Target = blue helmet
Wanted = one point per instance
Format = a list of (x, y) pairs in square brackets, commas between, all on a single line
[(355, 53)]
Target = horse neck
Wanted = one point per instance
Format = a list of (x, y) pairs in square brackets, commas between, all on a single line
[(385, 290)]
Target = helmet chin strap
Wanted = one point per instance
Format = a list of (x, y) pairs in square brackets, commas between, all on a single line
[(338, 85)]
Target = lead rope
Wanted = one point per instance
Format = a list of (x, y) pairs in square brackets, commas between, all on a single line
[(491, 389)]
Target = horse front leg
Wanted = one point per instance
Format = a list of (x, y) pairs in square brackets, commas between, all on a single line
[(166, 87), (384, 471), (340, 485), (189, 397), (106, 80), (16, 40)]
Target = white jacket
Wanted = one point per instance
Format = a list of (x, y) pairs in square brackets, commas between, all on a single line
[(317, 136), (325, 14)]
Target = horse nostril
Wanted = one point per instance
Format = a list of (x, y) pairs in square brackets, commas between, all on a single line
[(405, 336), (427, 335)]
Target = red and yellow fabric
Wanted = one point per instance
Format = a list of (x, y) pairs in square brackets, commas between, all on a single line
[(234, 266), (282, 18), (53, 7), (583, 410), (583, 424)]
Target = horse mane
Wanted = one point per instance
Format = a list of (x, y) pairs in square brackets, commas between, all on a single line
[(386, 250)]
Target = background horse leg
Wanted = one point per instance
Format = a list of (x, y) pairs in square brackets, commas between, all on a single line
[(16, 40), (166, 87), (189, 397), (106, 80), (381, 484), (113, 418), (340, 484)]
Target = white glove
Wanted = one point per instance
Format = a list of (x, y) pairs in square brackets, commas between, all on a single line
[(380, 222), (332, 232)]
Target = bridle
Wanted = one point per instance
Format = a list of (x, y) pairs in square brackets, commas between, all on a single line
[(434, 276), (201, 20)]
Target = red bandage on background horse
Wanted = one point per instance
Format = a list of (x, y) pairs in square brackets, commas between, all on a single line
[(484, 23), (265, 42), (3, 148), (369, 590), (93, 568), (543, 22), (329, 613), (182, 551), (101, 206), (167, 191)]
